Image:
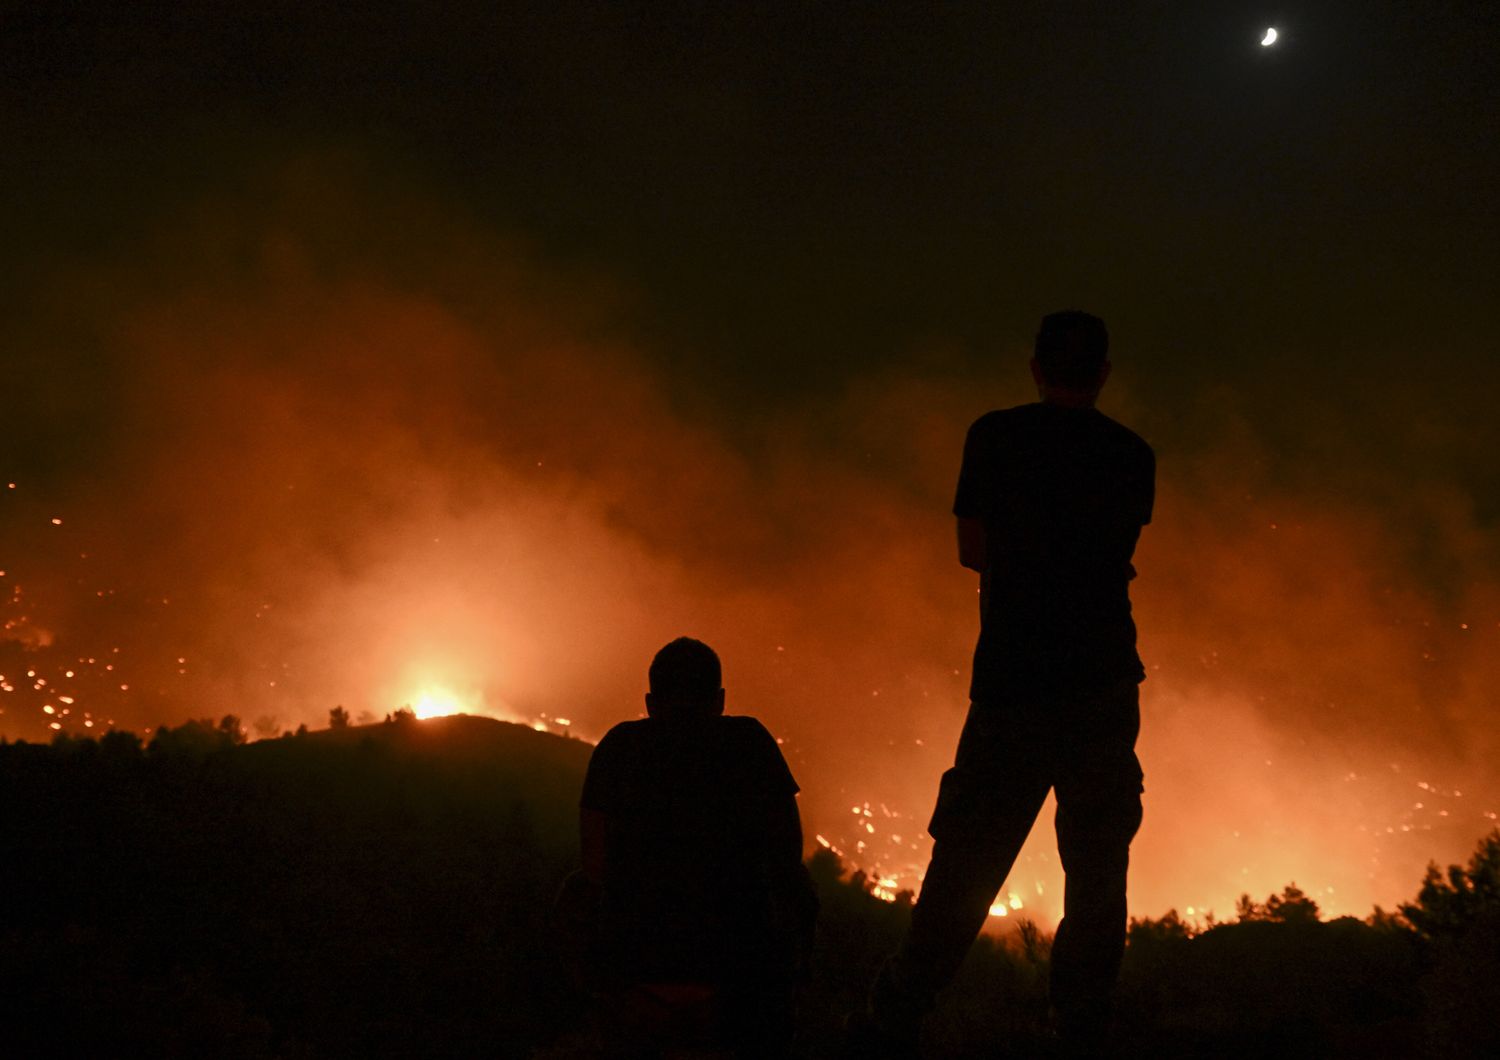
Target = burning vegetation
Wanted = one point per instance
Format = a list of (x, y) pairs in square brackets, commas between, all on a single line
[(279, 462)]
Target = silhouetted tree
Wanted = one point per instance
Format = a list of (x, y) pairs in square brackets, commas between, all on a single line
[(66, 743), (1036, 945), (338, 718), (120, 745), (1168, 928), (196, 738), (1292, 906), (1457, 916), (825, 868), (233, 731), (1449, 903)]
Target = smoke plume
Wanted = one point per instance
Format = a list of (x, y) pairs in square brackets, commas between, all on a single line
[(314, 447)]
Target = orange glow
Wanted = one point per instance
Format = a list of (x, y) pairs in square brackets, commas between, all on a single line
[(438, 702), (1319, 659), (1006, 905)]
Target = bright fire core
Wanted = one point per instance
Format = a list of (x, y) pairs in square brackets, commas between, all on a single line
[(438, 702)]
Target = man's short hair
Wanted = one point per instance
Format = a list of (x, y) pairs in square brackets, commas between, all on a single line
[(686, 670), (1071, 348)]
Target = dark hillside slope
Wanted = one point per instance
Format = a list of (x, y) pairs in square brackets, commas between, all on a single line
[(383, 891), (366, 891)]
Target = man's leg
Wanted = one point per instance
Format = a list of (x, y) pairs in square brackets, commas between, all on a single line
[(962, 879), (1098, 813), (759, 1018), (986, 806)]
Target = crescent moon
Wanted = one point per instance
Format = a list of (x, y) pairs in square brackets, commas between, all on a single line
[(1270, 37)]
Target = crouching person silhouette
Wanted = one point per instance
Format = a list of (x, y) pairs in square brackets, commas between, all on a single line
[(692, 840)]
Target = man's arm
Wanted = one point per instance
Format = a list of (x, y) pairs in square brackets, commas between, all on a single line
[(591, 827), (786, 831), (969, 500), (593, 804), (794, 899), (971, 543)]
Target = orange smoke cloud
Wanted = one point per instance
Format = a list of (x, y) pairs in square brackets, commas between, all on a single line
[(340, 470)]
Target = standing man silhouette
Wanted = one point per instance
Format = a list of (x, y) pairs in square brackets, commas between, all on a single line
[(1050, 503)]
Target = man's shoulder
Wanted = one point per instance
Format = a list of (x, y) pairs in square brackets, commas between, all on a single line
[(626, 730), (1038, 416), (1000, 428), (734, 729), (624, 734), (1126, 438), (1001, 419), (746, 723), (741, 733), (751, 745), (615, 758)]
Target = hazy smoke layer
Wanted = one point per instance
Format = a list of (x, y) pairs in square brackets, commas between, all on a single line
[(312, 450)]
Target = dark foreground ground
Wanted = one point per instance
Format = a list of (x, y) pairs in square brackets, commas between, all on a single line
[(383, 891)]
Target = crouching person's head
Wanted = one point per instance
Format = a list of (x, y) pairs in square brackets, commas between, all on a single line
[(686, 682)]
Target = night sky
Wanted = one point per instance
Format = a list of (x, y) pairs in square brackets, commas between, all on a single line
[(490, 346)]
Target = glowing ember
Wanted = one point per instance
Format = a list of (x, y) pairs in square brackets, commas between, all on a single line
[(1005, 906)]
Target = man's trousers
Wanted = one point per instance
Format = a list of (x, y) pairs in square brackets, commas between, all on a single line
[(1011, 754)]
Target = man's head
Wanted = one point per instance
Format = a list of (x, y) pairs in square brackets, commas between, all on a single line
[(1071, 360), (686, 681)]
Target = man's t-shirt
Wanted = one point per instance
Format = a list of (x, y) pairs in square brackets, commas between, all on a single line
[(1063, 494), (697, 817)]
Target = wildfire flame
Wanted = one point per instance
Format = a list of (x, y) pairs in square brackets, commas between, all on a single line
[(1303, 670), (438, 702)]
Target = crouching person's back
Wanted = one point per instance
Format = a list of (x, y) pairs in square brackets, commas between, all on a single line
[(691, 834)]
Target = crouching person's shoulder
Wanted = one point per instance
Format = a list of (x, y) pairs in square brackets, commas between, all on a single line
[(614, 756), (755, 742), (747, 723), (749, 731), (620, 737)]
